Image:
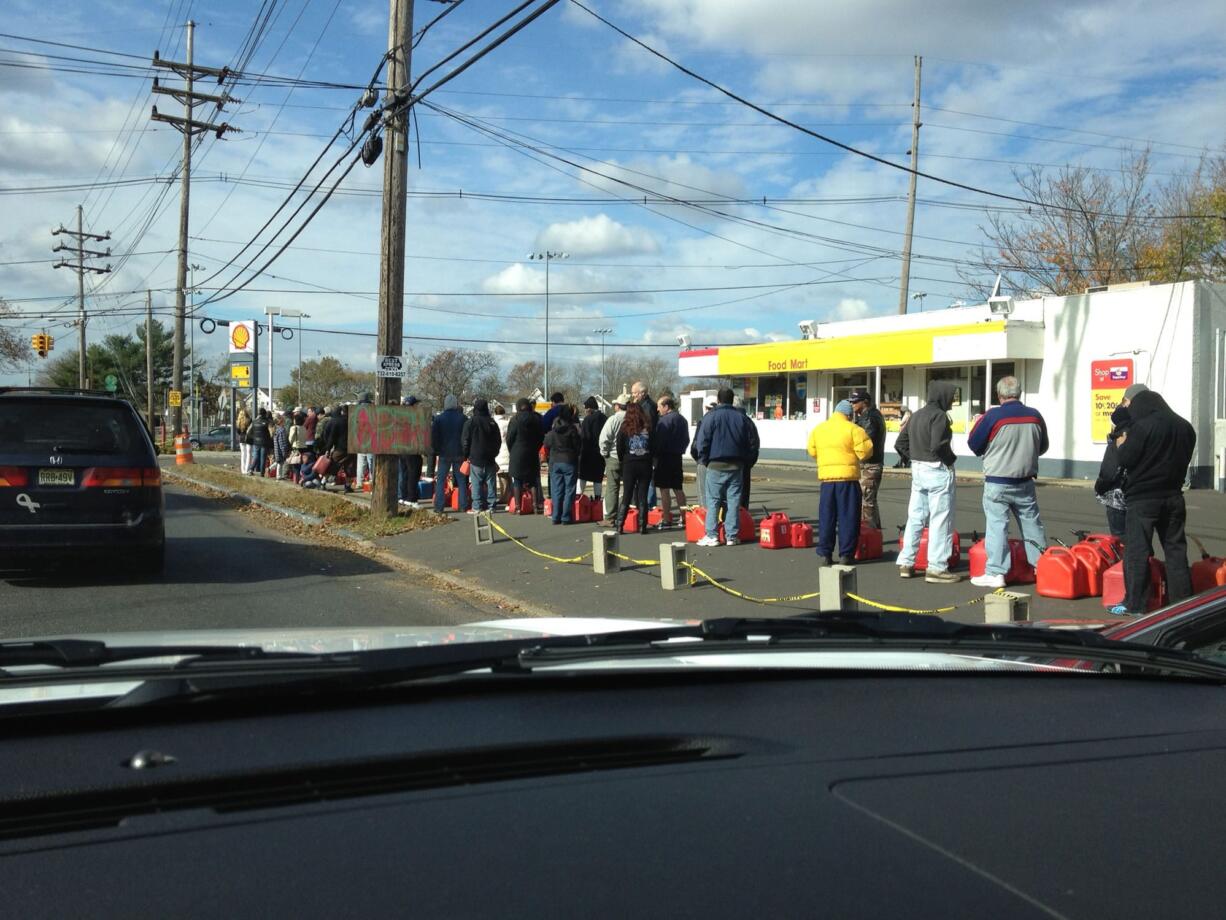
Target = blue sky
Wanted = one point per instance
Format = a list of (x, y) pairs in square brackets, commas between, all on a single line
[(1005, 85)]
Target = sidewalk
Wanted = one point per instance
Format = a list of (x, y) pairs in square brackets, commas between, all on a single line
[(574, 589)]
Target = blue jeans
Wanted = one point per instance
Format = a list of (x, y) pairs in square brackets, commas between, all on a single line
[(998, 500), (459, 480), (365, 462), (485, 486), (562, 491), (724, 488), (932, 505), (259, 459), (839, 511)]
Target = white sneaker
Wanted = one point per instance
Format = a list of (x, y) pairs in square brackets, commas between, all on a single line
[(708, 541), (988, 581)]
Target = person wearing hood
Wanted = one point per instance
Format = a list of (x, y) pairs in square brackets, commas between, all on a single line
[(480, 442), (445, 433), (1109, 486), (613, 463), (524, 438), (1010, 437), (409, 474), (564, 444), (591, 463), (927, 441), (1155, 454), (839, 446)]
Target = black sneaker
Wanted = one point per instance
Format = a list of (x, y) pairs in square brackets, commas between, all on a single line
[(823, 561), (847, 560)]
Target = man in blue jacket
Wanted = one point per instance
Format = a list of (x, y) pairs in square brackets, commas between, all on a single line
[(727, 444), (445, 436), (1010, 437)]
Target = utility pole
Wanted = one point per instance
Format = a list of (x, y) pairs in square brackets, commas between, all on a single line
[(547, 256), (383, 496), (81, 268), (149, 357), (189, 127), (602, 332), (905, 274)]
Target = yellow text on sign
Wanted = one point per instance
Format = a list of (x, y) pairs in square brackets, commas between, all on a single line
[(1103, 403), (176, 398)]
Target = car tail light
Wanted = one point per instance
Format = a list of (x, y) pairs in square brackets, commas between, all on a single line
[(14, 476), (111, 477), (151, 476)]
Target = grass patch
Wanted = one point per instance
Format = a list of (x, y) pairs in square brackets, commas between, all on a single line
[(335, 510)]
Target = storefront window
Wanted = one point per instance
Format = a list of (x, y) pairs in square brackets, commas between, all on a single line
[(798, 391), (960, 377), (772, 397), (889, 400), (845, 383)]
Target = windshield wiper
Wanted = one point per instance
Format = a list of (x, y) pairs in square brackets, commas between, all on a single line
[(81, 653)]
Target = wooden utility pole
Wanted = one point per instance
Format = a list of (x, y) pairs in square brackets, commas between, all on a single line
[(905, 274), (81, 268), (149, 357), (189, 127), (391, 263)]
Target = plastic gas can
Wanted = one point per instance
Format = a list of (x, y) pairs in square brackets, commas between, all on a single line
[(921, 557), (1061, 573), (1097, 559), (870, 543), (1114, 589), (776, 531), (800, 535)]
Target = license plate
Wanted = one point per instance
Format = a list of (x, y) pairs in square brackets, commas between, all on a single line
[(56, 477)]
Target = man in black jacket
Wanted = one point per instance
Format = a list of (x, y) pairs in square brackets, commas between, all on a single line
[(480, 441), (927, 441), (869, 418), (1155, 453)]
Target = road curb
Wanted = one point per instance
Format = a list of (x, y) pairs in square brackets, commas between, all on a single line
[(393, 560)]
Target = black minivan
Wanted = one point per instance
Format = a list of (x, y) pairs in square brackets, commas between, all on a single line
[(78, 475)]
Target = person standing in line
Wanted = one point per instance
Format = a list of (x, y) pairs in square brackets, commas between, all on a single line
[(280, 444), (297, 446), (524, 440), (480, 442), (260, 440), (868, 417), (309, 423), (503, 460), (612, 463), (755, 446), (241, 425), (323, 429), (726, 441), (1155, 454), (927, 441), (1010, 437), (1109, 486), (672, 439), (839, 446), (564, 444), (638, 392), (591, 463), (636, 444), (556, 402), (365, 461), (700, 471), (445, 433), (409, 472)]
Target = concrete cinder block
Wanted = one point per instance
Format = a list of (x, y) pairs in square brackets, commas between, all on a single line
[(835, 582), (673, 571), (484, 532), (1006, 607), (604, 545)]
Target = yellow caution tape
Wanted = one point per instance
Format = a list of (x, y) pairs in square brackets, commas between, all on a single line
[(894, 609), (573, 560), (635, 561), (696, 571)]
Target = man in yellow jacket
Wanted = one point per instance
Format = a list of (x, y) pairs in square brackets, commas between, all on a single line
[(838, 444)]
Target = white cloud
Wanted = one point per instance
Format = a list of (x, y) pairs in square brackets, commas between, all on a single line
[(515, 279), (597, 236), (852, 308)]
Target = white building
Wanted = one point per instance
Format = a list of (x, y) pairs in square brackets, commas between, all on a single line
[(1073, 356)]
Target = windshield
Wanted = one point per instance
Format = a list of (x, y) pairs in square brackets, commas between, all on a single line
[(568, 319)]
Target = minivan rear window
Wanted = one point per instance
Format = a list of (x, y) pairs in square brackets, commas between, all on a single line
[(56, 426)]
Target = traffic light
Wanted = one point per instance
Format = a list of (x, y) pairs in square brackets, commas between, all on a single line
[(42, 343)]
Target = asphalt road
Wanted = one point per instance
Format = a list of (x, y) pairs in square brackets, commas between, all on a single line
[(225, 570)]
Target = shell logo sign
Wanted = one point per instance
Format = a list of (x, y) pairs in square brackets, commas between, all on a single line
[(242, 337)]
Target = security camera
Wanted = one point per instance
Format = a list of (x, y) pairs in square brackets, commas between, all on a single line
[(683, 341), (808, 329)]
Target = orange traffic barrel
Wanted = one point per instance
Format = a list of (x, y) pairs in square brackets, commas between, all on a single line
[(183, 451)]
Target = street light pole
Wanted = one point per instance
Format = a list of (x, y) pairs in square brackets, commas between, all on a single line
[(602, 333), (290, 314), (193, 406), (547, 256), (270, 312)]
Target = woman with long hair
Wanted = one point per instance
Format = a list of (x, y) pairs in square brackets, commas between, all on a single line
[(636, 450)]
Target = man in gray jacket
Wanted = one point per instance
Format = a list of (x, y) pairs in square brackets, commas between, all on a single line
[(927, 440), (613, 465)]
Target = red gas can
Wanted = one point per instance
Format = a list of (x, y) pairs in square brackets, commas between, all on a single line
[(581, 510), (800, 535), (921, 557), (1021, 572), (776, 531), (631, 524), (549, 507), (1113, 545), (1097, 559), (514, 507), (1205, 572), (696, 526), (1061, 573), (1113, 585), (870, 543), (654, 517)]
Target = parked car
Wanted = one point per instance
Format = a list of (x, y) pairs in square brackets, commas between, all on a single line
[(219, 436), (78, 474), (1197, 625)]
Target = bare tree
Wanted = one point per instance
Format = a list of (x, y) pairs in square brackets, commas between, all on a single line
[(451, 371), (1089, 228), (14, 350)]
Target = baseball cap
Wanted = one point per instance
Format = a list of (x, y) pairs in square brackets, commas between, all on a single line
[(623, 399), (1132, 391), (860, 396)]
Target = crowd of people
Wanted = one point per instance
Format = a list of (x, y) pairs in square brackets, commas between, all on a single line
[(1140, 483), (291, 445)]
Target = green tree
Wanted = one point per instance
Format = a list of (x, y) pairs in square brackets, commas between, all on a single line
[(14, 350), (123, 356)]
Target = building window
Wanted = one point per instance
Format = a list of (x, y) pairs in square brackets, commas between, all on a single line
[(772, 397), (845, 383), (890, 399), (798, 391)]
